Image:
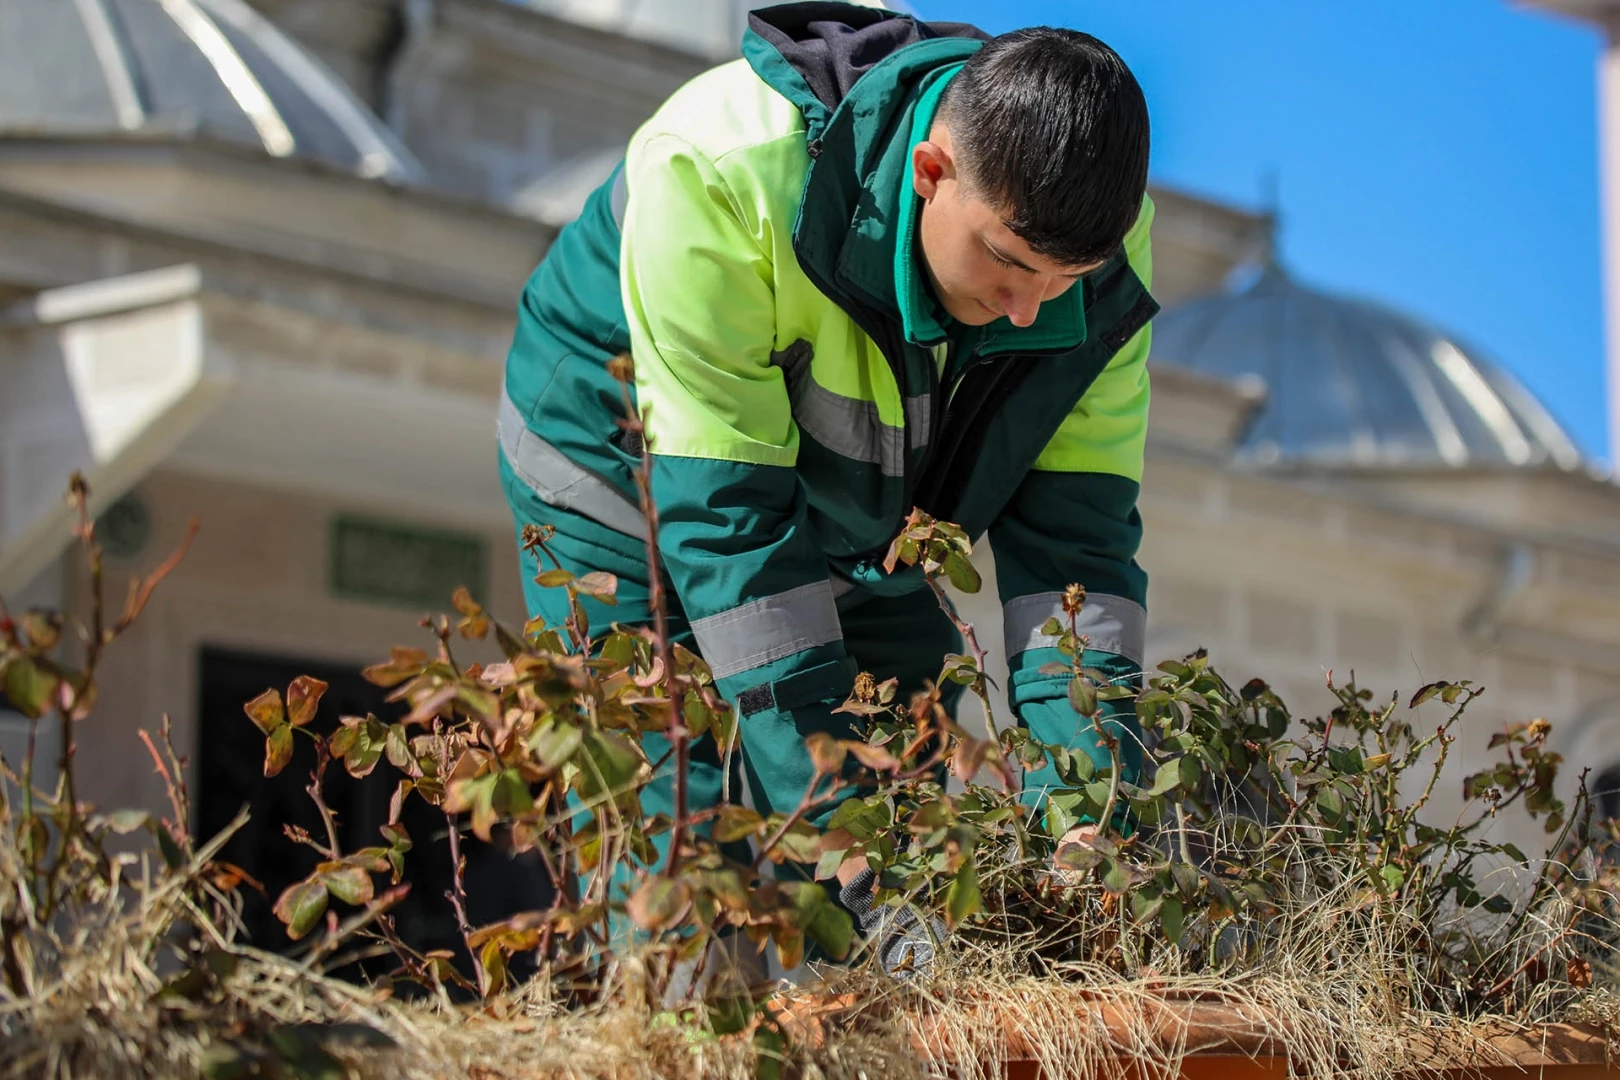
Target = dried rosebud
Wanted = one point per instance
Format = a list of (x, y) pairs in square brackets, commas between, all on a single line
[(1537, 730), (621, 368), (1074, 598), (865, 687)]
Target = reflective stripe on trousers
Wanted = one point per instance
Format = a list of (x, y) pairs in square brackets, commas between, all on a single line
[(1113, 623)]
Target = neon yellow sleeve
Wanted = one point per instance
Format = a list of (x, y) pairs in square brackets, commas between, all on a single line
[(696, 276), (1107, 430)]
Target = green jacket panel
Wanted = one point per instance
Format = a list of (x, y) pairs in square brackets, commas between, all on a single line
[(795, 411)]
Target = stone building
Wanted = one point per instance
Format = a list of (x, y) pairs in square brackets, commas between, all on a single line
[(258, 264)]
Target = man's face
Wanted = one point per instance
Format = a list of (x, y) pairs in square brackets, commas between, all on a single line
[(979, 268)]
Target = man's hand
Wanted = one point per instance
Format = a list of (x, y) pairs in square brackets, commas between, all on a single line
[(1082, 837)]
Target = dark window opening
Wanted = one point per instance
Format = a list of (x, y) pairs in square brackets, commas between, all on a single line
[(1606, 794), (230, 773)]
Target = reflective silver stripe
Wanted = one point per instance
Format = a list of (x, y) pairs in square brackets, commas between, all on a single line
[(919, 418), (619, 197), (849, 426), (768, 629), (560, 482), (1113, 623)]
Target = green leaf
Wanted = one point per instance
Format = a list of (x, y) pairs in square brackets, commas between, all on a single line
[(278, 748), (736, 823), (1171, 918), (1083, 695), (1330, 805), (1167, 778), (556, 741), (351, 884), (30, 687), (550, 579), (613, 764), (265, 710), (962, 573), (831, 927), (1186, 879), (1054, 627), (301, 907), (124, 822), (1192, 770), (831, 859), (1115, 877), (1394, 877), (397, 745), (962, 898)]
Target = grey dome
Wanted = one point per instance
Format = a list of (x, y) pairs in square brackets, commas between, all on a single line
[(214, 67), (1351, 383)]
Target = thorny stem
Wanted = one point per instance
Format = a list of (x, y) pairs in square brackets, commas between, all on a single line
[(678, 733), (981, 678), (322, 759), (457, 895), (1106, 818), (1181, 830)]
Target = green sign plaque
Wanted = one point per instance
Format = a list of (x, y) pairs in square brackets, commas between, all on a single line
[(407, 565)]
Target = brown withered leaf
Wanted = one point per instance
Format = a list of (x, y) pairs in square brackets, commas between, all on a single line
[(402, 664), (826, 753), (303, 698), (265, 711), (873, 757), (659, 903), (278, 748), (1579, 971)]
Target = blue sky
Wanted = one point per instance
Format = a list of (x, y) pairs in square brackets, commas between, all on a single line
[(1438, 155)]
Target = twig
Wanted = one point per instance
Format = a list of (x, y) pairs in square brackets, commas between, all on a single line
[(678, 733), (981, 677), (457, 895), (316, 778)]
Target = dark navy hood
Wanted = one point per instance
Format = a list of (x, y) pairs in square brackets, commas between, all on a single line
[(831, 45)]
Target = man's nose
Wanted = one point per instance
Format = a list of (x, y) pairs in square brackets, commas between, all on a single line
[(1021, 305)]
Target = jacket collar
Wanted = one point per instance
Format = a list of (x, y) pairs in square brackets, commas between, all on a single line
[(856, 230)]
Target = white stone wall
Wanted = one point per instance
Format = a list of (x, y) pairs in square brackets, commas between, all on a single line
[(256, 580), (1286, 584)]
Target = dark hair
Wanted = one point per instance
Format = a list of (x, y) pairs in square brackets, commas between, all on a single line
[(1051, 127)]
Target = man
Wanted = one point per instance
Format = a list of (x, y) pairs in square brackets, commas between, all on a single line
[(874, 264)]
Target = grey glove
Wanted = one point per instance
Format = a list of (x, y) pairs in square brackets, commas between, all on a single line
[(904, 940)]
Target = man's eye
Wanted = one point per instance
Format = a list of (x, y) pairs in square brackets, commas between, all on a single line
[(1001, 261)]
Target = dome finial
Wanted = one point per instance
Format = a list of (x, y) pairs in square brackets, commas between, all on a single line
[(1271, 210)]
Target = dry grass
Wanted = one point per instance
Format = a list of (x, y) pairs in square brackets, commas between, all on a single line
[(1333, 993)]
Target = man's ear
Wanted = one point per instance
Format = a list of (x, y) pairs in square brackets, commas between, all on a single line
[(930, 165)]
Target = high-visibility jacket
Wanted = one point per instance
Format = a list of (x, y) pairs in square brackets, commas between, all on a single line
[(756, 253)]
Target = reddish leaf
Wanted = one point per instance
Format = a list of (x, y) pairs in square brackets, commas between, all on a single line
[(659, 903), (402, 664), (873, 757), (301, 907), (603, 586), (826, 754), (265, 711), (464, 603), (303, 696)]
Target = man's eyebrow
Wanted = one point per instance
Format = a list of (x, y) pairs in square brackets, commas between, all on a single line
[(1002, 255)]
